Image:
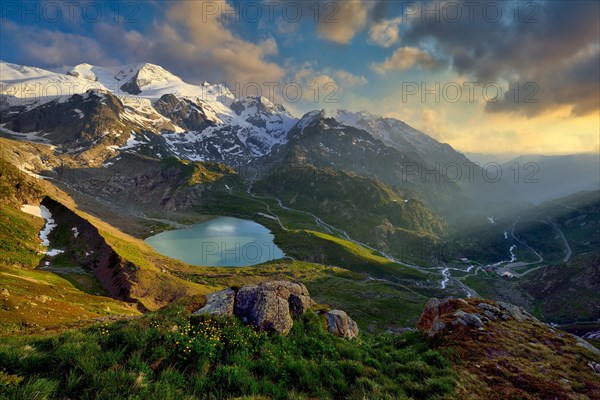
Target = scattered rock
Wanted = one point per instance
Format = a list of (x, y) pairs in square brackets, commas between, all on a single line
[(219, 303), (585, 344), (4, 292), (472, 320), (490, 315), (595, 367), (449, 313), (339, 324), (42, 298), (488, 307), (515, 312), (429, 321), (269, 306)]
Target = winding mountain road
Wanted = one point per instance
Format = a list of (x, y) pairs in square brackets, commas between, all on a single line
[(564, 239), (444, 271)]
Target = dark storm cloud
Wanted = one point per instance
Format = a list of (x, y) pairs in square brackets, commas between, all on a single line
[(551, 43)]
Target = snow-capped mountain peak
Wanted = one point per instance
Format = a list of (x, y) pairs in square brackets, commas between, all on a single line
[(147, 77), (400, 135), (351, 118), (14, 72), (310, 118), (202, 122)]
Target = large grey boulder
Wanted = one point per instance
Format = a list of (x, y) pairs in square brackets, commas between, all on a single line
[(339, 324), (299, 304), (269, 306), (262, 307), (219, 304)]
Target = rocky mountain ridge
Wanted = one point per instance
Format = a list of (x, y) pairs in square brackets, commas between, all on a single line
[(196, 122)]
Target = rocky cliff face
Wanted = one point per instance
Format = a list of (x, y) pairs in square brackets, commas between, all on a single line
[(83, 243), (79, 121), (184, 113), (112, 271), (270, 307), (507, 353), (169, 185)]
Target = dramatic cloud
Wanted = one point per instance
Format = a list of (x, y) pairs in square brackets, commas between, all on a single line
[(573, 83), (385, 33), (349, 19), (206, 46), (337, 21), (323, 87), (55, 48), (541, 44), (187, 41), (403, 59)]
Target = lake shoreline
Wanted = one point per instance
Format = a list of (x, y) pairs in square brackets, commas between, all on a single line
[(219, 241)]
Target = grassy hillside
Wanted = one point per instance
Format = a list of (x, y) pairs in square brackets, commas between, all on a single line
[(44, 291), (513, 357), (376, 305), (34, 299), (366, 208), (162, 356)]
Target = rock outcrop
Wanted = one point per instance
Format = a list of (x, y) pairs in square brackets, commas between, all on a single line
[(339, 324), (219, 304), (269, 306), (506, 353), (184, 113), (124, 280), (594, 366), (449, 314)]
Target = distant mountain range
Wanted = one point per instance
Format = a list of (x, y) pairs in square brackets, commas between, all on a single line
[(542, 178), (97, 113), (195, 122)]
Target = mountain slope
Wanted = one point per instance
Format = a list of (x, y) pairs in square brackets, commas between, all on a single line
[(194, 122), (402, 136), (555, 274), (502, 352), (323, 142), (365, 208), (124, 267), (543, 178)]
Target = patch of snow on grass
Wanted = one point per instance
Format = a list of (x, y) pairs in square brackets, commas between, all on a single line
[(32, 210), (43, 212), (54, 252), (49, 227)]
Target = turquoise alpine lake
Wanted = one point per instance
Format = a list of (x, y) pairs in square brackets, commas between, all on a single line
[(219, 242)]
